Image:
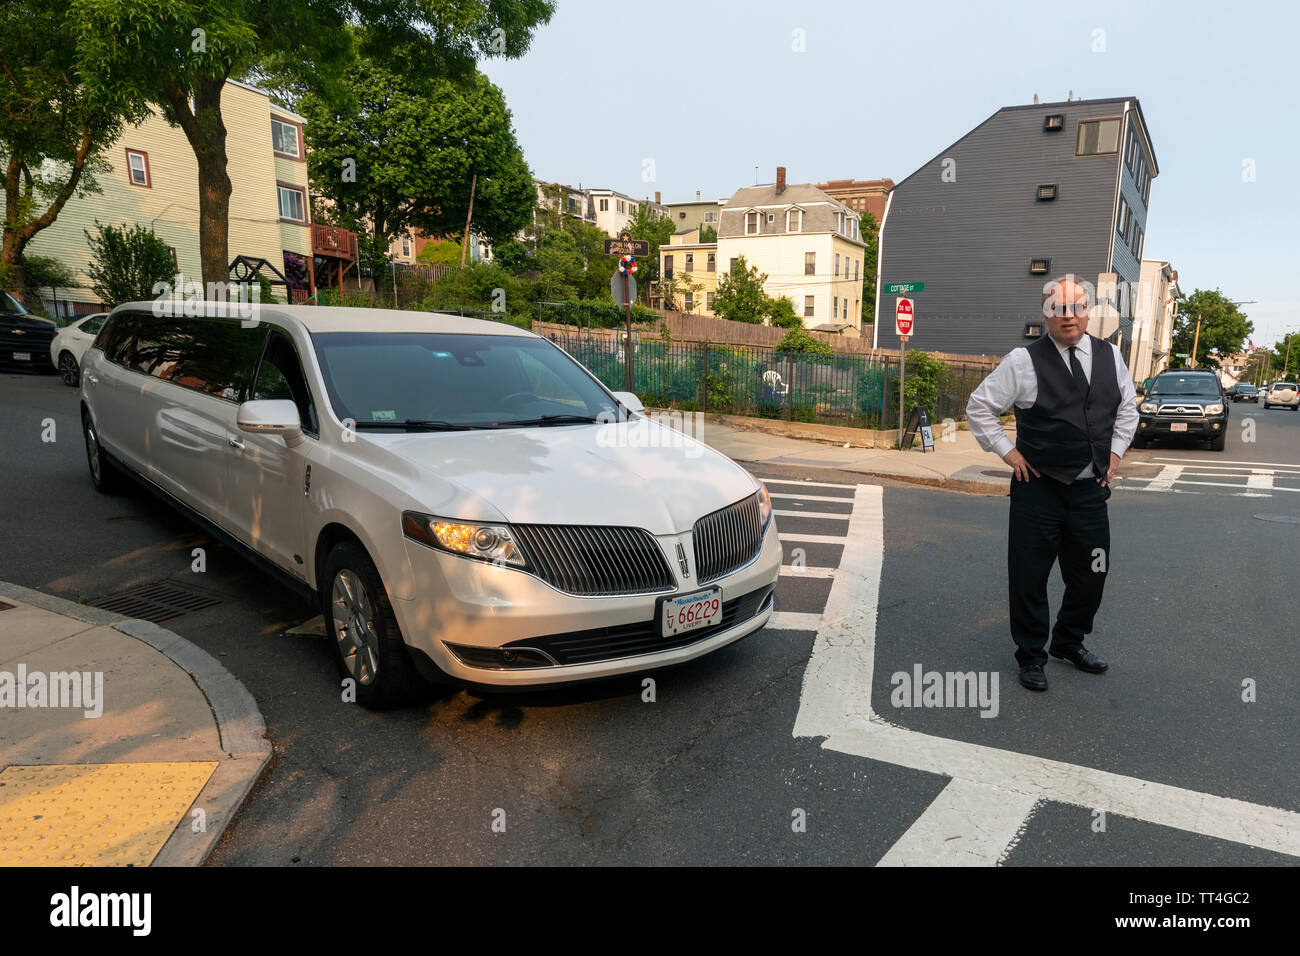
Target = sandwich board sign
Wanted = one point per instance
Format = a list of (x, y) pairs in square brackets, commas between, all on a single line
[(920, 419)]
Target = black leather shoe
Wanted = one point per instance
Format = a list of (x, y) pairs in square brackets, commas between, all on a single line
[(1033, 677), (1083, 659)]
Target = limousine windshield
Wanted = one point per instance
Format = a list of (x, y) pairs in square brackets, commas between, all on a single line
[(427, 380)]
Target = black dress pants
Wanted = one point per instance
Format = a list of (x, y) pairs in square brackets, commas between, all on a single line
[(1051, 522)]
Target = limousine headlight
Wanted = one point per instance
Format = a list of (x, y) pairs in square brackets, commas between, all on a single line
[(486, 542), (764, 505)]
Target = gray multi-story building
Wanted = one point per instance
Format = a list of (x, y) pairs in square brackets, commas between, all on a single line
[(1031, 193)]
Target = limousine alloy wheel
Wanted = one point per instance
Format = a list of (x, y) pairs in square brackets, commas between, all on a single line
[(106, 479), (367, 641)]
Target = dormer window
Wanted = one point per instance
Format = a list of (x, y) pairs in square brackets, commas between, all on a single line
[(751, 223), (794, 220)]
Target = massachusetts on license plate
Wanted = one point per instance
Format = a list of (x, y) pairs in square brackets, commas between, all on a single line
[(1178, 426), (687, 612)]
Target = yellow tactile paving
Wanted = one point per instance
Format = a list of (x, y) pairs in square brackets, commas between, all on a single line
[(100, 814)]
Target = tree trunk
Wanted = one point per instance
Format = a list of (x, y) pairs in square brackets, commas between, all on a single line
[(17, 234), (206, 131)]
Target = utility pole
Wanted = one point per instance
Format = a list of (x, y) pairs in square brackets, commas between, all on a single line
[(464, 246), (1197, 340)]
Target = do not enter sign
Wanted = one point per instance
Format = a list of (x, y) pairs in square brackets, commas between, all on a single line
[(903, 316)]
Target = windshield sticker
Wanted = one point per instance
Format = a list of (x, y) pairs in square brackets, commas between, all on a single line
[(386, 415)]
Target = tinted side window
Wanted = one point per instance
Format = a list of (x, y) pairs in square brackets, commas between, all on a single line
[(209, 356), (280, 376)]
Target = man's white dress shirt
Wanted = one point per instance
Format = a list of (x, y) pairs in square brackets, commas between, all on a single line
[(1014, 383)]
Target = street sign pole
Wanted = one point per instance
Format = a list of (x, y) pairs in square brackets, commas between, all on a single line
[(627, 352), (902, 378), (904, 317)]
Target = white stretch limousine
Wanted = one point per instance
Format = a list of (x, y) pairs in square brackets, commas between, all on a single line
[(461, 498)]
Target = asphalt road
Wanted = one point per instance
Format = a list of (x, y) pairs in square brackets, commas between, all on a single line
[(710, 772)]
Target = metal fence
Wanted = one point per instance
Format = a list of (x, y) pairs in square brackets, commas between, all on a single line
[(759, 382)]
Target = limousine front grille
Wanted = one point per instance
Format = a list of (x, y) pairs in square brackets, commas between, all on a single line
[(727, 540), (595, 561)]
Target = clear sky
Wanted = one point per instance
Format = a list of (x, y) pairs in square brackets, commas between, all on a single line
[(676, 96)]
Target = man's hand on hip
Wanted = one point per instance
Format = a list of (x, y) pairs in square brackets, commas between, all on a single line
[(1018, 464), (1114, 463)]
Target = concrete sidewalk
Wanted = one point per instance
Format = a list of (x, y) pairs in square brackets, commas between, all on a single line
[(956, 463), (121, 743)]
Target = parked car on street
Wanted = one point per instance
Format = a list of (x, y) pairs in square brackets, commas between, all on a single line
[(1283, 395), (1243, 392), (461, 498), (70, 344), (24, 338), (1183, 404)]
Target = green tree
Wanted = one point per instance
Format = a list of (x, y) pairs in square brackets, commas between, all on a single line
[(648, 224), (446, 253), (803, 341), (43, 272), (708, 234), (676, 289), (126, 262), (181, 52), (740, 296), (55, 123), (1224, 328), (871, 236), (782, 313), (398, 155)]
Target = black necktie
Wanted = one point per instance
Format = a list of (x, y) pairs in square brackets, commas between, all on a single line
[(1080, 379)]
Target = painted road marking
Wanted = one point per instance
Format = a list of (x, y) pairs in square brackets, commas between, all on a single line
[(813, 538), (806, 571), (794, 621), (796, 483), (810, 514), (1233, 461), (835, 703)]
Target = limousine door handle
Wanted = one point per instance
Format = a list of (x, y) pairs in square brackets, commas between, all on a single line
[(91, 378), (236, 444)]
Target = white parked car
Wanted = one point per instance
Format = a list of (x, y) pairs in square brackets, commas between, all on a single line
[(461, 498), (70, 344), (1282, 394)]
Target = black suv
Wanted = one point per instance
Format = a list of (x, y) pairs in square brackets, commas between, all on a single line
[(24, 338), (1187, 403)]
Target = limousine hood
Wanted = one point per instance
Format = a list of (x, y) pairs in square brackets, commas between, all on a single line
[(636, 474)]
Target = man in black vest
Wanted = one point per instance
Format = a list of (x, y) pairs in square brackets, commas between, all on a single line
[(1076, 413)]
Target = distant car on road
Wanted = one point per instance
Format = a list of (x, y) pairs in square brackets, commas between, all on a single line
[(1283, 395), (1244, 392), (70, 344), (1188, 403), (24, 338)]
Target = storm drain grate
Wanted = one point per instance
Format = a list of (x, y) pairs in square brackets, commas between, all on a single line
[(157, 602)]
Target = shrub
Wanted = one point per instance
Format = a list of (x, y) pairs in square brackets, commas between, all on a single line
[(127, 262), (801, 340)]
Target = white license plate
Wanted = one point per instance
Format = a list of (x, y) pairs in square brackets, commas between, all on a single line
[(22, 356), (687, 612), (1178, 426)]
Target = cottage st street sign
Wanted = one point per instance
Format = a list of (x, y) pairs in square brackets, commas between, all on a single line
[(904, 288), (625, 245)]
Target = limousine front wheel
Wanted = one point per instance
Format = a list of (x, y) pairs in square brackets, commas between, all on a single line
[(367, 641), (106, 478)]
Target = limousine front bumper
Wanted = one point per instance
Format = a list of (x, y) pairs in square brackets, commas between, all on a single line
[(502, 627)]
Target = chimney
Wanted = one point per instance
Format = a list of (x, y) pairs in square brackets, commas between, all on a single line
[(1035, 99), (697, 195), (656, 197), (780, 180)]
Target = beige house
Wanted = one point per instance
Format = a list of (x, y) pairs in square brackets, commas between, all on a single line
[(686, 258), (152, 180), (1155, 305)]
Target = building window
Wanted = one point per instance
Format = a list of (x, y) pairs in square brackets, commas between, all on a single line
[(690, 262), (1146, 191), (835, 307), (285, 139), (631, 208), (837, 265), (710, 217), (406, 248), (1121, 221), (808, 301), (604, 205), (1098, 137), (1046, 192), (690, 301), (857, 269), (1054, 122), (734, 261), (137, 163), (668, 267), (681, 215), (751, 223), (1139, 236), (1040, 267), (711, 262), (1130, 150), (622, 207), (810, 263), (794, 220), (708, 301), (293, 204)]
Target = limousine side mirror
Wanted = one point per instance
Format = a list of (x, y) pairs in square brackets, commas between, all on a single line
[(272, 416), (630, 402)]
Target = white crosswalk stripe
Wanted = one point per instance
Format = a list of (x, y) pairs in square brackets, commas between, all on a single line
[(1242, 480)]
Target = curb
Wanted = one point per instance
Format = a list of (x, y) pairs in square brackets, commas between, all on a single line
[(240, 726), (987, 488)]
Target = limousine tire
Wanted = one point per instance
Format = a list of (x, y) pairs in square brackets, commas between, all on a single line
[(103, 475), (359, 619)]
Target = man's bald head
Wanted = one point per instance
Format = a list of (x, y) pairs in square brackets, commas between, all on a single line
[(1067, 306)]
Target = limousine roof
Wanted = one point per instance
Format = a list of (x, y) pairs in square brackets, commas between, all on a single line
[(324, 318)]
